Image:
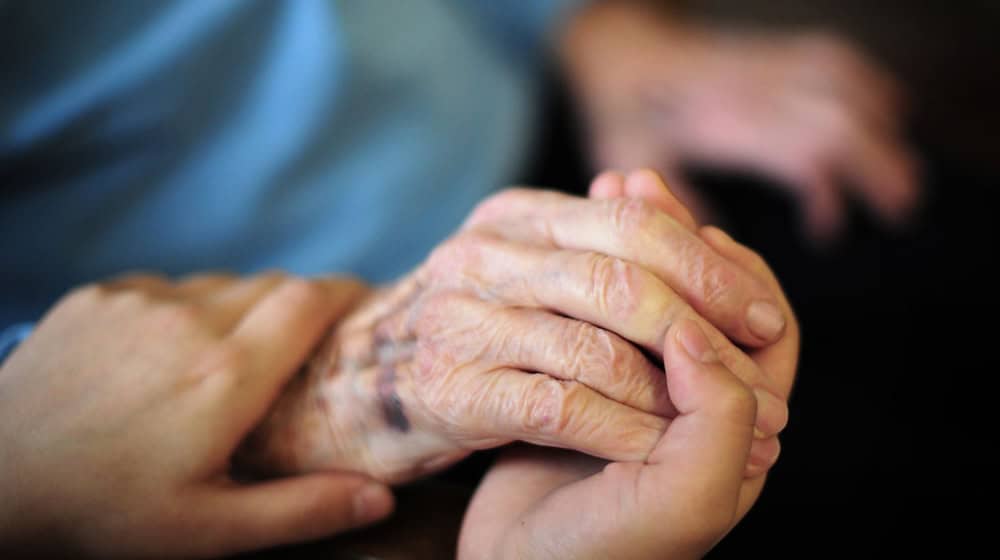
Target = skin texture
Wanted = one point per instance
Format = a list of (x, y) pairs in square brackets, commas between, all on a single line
[(125, 452), (807, 110), (532, 323), (681, 500)]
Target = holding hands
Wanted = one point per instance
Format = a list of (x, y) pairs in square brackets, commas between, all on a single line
[(611, 326), (678, 502), (531, 324)]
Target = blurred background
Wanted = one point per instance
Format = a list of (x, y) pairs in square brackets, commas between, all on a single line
[(854, 144)]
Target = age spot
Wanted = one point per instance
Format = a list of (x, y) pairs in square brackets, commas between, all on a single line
[(392, 406)]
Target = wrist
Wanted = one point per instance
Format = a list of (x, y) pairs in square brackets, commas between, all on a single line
[(353, 407)]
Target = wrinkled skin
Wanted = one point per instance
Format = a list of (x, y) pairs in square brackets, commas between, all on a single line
[(120, 413), (806, 109), (680, 501), (529, 324)]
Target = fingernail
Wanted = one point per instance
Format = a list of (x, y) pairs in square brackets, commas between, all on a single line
[(373, 501), (772, 413), (694, 341), (765, 320)]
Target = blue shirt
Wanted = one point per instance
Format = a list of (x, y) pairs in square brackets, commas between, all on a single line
[(305, 135)]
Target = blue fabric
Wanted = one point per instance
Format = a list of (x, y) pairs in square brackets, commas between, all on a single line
[(305, 135), (12, 337)]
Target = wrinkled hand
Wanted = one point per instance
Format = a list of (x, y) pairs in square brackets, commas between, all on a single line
[(808, 110), (529, 324), (119, 415), (689, 492)]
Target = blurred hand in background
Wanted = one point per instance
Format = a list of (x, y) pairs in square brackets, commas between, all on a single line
[(807, 110)]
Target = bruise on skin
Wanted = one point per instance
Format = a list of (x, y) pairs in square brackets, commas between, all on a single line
[(392, 407)]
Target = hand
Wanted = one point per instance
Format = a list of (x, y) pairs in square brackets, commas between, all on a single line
[(690, 491), (118, 417), (807, 110), (448, 360), (537, 503)]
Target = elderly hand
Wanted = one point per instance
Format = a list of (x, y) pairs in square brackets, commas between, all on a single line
[(119, 415), (808, 110), (529, 324), (684, 497)]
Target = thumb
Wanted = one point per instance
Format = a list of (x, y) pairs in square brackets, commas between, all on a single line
[(700, 460), (691, 490), (302, 508)]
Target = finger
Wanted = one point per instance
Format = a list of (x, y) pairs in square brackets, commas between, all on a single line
[(231, 301), (633, 230), (508, 405), (611, 293), (693, 482), (701, 459), (278, 334), (872, 160), (614, 294), (533, 340), (763, 455), (781, 357), (285, 511), (609, 184), (823, 206), (151, 284), (848, 76), (647, 185), (881, 171)]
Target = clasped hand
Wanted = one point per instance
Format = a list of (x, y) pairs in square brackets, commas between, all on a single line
[(547, 319)]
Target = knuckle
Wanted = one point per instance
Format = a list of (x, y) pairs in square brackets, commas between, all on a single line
[(614, 285), (718, 283), (589, 349), (457, 255), (631, 216), (495, 205), (546, 408), (300, 292), (600, 359)]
